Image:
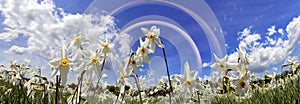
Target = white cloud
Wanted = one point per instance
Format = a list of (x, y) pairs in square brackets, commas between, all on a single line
[(271, 30), (247, 39), (205, 65), (271, 52), (280, 31), (244, 33), (16, 49), (49, 27), (124, 41), (233, 57)]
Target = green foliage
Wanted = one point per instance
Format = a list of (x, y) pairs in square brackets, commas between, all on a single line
[(287, 93)]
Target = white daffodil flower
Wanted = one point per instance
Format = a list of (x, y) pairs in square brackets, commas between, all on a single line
[(62, 65), (242, 83), (16, 79), (152, 37), (243, 57), (243, 62), (106, 47), (292, 63), (220, 64), (189, 80), (77, 44), (14, 65), (134, 62), (30, 88), (143, 52), (91, 64), (123, 74), (273, 76)]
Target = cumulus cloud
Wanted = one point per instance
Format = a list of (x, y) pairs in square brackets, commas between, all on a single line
[(271, 30), (48, 27), (204, 65), (124, 41), (280, 31), (16, 49), (263, 54)]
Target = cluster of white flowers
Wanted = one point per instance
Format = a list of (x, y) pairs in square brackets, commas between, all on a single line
[(230, 78)]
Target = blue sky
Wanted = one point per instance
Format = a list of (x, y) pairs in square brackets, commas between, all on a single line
[(245, 23)]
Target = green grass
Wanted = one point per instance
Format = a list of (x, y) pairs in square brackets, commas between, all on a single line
[(287, 93), (283, 94)]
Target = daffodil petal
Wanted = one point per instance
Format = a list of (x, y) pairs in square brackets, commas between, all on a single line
[(146, 59), (159, 43), (153, 28), (186, 70), (145, 31), (156, 32), (54, 72), (64, 75)]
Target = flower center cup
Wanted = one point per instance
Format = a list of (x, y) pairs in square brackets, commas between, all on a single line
[(161, 82), (88, 83), (64, 62), (133, 62), (77, 40), (106, 46), (150, 36), (222, 66), (95, 60), (242, 84), (143, 50), (189, 82)]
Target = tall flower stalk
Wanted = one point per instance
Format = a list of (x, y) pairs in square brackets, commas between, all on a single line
[(171, 88), (152, 40)]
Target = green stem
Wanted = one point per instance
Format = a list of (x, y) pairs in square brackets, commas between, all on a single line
[(171, 88), (57, 90), (198, 97), (138, 87), (26, 99), (78, 88)]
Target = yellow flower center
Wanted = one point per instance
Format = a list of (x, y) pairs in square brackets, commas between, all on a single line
[(161, 82), (122, 77), (242, 83), (88, 83), (221, 65), (64, 62), (189, 82), (95, 60), (151, 36), (106, 46), (133, 62), (200, 81), (143, 50), (77, 40)]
